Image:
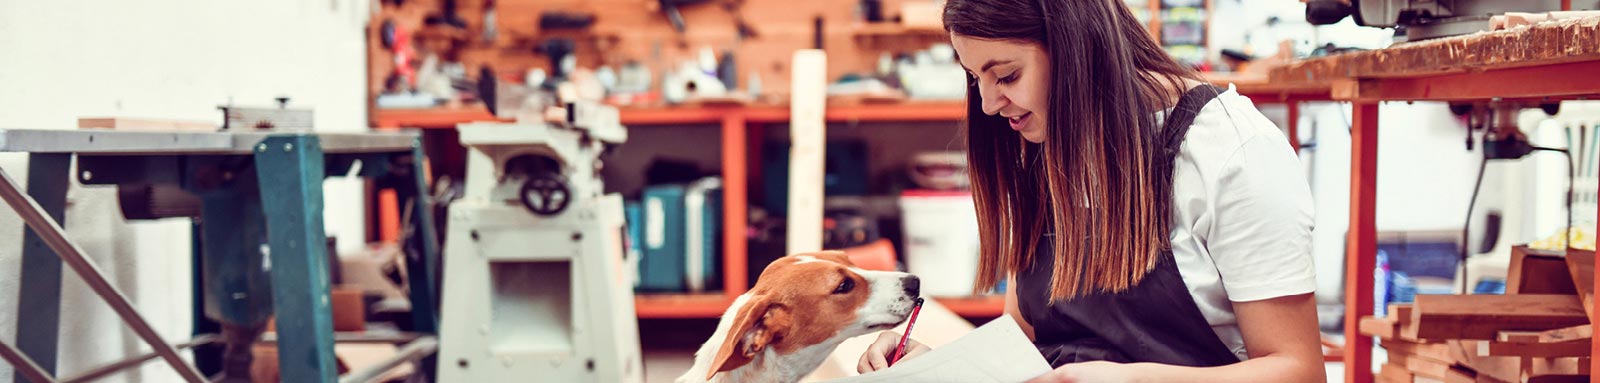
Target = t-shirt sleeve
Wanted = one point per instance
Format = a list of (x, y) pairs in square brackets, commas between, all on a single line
[(1261, 237)]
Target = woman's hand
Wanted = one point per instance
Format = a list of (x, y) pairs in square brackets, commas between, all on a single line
[(877, 355), (1088, 372)]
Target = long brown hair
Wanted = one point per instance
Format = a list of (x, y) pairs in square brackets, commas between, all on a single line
[(1096, 181)]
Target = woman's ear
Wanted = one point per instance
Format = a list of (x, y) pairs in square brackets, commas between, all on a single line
[(760, 323)]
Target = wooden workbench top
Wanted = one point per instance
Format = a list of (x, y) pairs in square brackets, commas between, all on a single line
[(1546, 43)]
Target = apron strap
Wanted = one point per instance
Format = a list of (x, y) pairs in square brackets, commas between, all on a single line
[(1177, 122)]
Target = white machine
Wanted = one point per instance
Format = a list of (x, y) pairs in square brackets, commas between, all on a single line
[(1426, 19), (535, 286)]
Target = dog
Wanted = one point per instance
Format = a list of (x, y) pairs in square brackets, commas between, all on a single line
[(801, 307)]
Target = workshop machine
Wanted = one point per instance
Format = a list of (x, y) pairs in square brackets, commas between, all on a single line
[(1426, 19), (535, 284), (254, 190)]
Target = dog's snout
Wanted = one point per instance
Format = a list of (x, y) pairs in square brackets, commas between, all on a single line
[(912, 285)]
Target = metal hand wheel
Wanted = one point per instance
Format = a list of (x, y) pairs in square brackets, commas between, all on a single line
[(546, 195)]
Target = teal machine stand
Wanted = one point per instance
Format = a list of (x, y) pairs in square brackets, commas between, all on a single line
[(261, 251)]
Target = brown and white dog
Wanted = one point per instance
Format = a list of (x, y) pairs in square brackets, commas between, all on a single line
[(800, 309)]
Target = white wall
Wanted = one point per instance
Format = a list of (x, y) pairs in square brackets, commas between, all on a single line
[(175, 59)]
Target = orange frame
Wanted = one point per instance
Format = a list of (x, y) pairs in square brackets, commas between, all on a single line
[(1544, 82)]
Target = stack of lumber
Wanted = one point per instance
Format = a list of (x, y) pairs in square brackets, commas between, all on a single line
[(1538, 332)]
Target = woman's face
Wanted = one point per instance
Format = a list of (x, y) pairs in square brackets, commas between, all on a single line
[(1012, 78)]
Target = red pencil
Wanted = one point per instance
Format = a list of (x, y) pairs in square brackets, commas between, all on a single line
[(900, 351)]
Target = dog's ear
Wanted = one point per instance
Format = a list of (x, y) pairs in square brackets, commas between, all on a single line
[(760, 323)]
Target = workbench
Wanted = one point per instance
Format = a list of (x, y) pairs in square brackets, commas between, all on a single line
[(1547, 62), (249, 184)]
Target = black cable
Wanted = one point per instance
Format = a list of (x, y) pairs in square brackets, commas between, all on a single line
[(1472, 202)]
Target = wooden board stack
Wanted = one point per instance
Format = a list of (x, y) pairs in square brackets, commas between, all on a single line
[(1538, 332)]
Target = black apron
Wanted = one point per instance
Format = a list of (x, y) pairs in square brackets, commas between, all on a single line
[(1154, 321)]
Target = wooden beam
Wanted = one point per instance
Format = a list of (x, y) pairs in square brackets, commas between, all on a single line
[(1567, 333), (1485, 316), (1442, 352), (1580, 266), (1383, 328), (1572, 348), (1395, 373), (1555, 81)]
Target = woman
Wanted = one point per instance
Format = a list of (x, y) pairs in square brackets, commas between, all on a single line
[(1152, 228)]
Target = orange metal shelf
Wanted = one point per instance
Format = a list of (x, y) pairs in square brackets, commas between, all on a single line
[(988, 306), (916, 111), (438, 118), (913, 111), (681, 305)]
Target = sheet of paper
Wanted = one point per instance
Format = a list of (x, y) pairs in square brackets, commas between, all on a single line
[(997, 352)]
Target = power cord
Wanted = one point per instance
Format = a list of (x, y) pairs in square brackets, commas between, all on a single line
[(1472, 202), (1511, 147)]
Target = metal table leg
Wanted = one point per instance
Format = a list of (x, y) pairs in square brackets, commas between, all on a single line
[(290, 170), (52, 235), (39, 298), (27, 370), (422, 244)]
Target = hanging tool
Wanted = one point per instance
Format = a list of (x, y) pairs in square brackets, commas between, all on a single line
[(447, 16), (489, 29), (558, 50), (670, 8)]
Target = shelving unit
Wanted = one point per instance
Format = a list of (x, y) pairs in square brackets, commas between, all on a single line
[(739, 124)]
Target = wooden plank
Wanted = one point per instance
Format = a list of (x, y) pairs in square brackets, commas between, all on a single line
[(1442, 352), (1390, 373), (1401, 313), (1440, 317), (1423, 367), (1509, 368), (1580, 266), (1572, 348), (1518, 336), (1382, 328), (1538, 272), (1567, 333), (1559, 379), (125, 123)]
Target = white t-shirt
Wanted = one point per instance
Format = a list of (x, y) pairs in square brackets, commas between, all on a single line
[(1242, 214)]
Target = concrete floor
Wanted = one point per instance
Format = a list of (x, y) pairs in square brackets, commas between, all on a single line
[(669, 346)]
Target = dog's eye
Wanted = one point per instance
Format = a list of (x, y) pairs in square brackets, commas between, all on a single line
[(845, 286)]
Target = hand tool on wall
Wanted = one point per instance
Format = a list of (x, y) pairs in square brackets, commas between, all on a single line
[(670, 8)]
